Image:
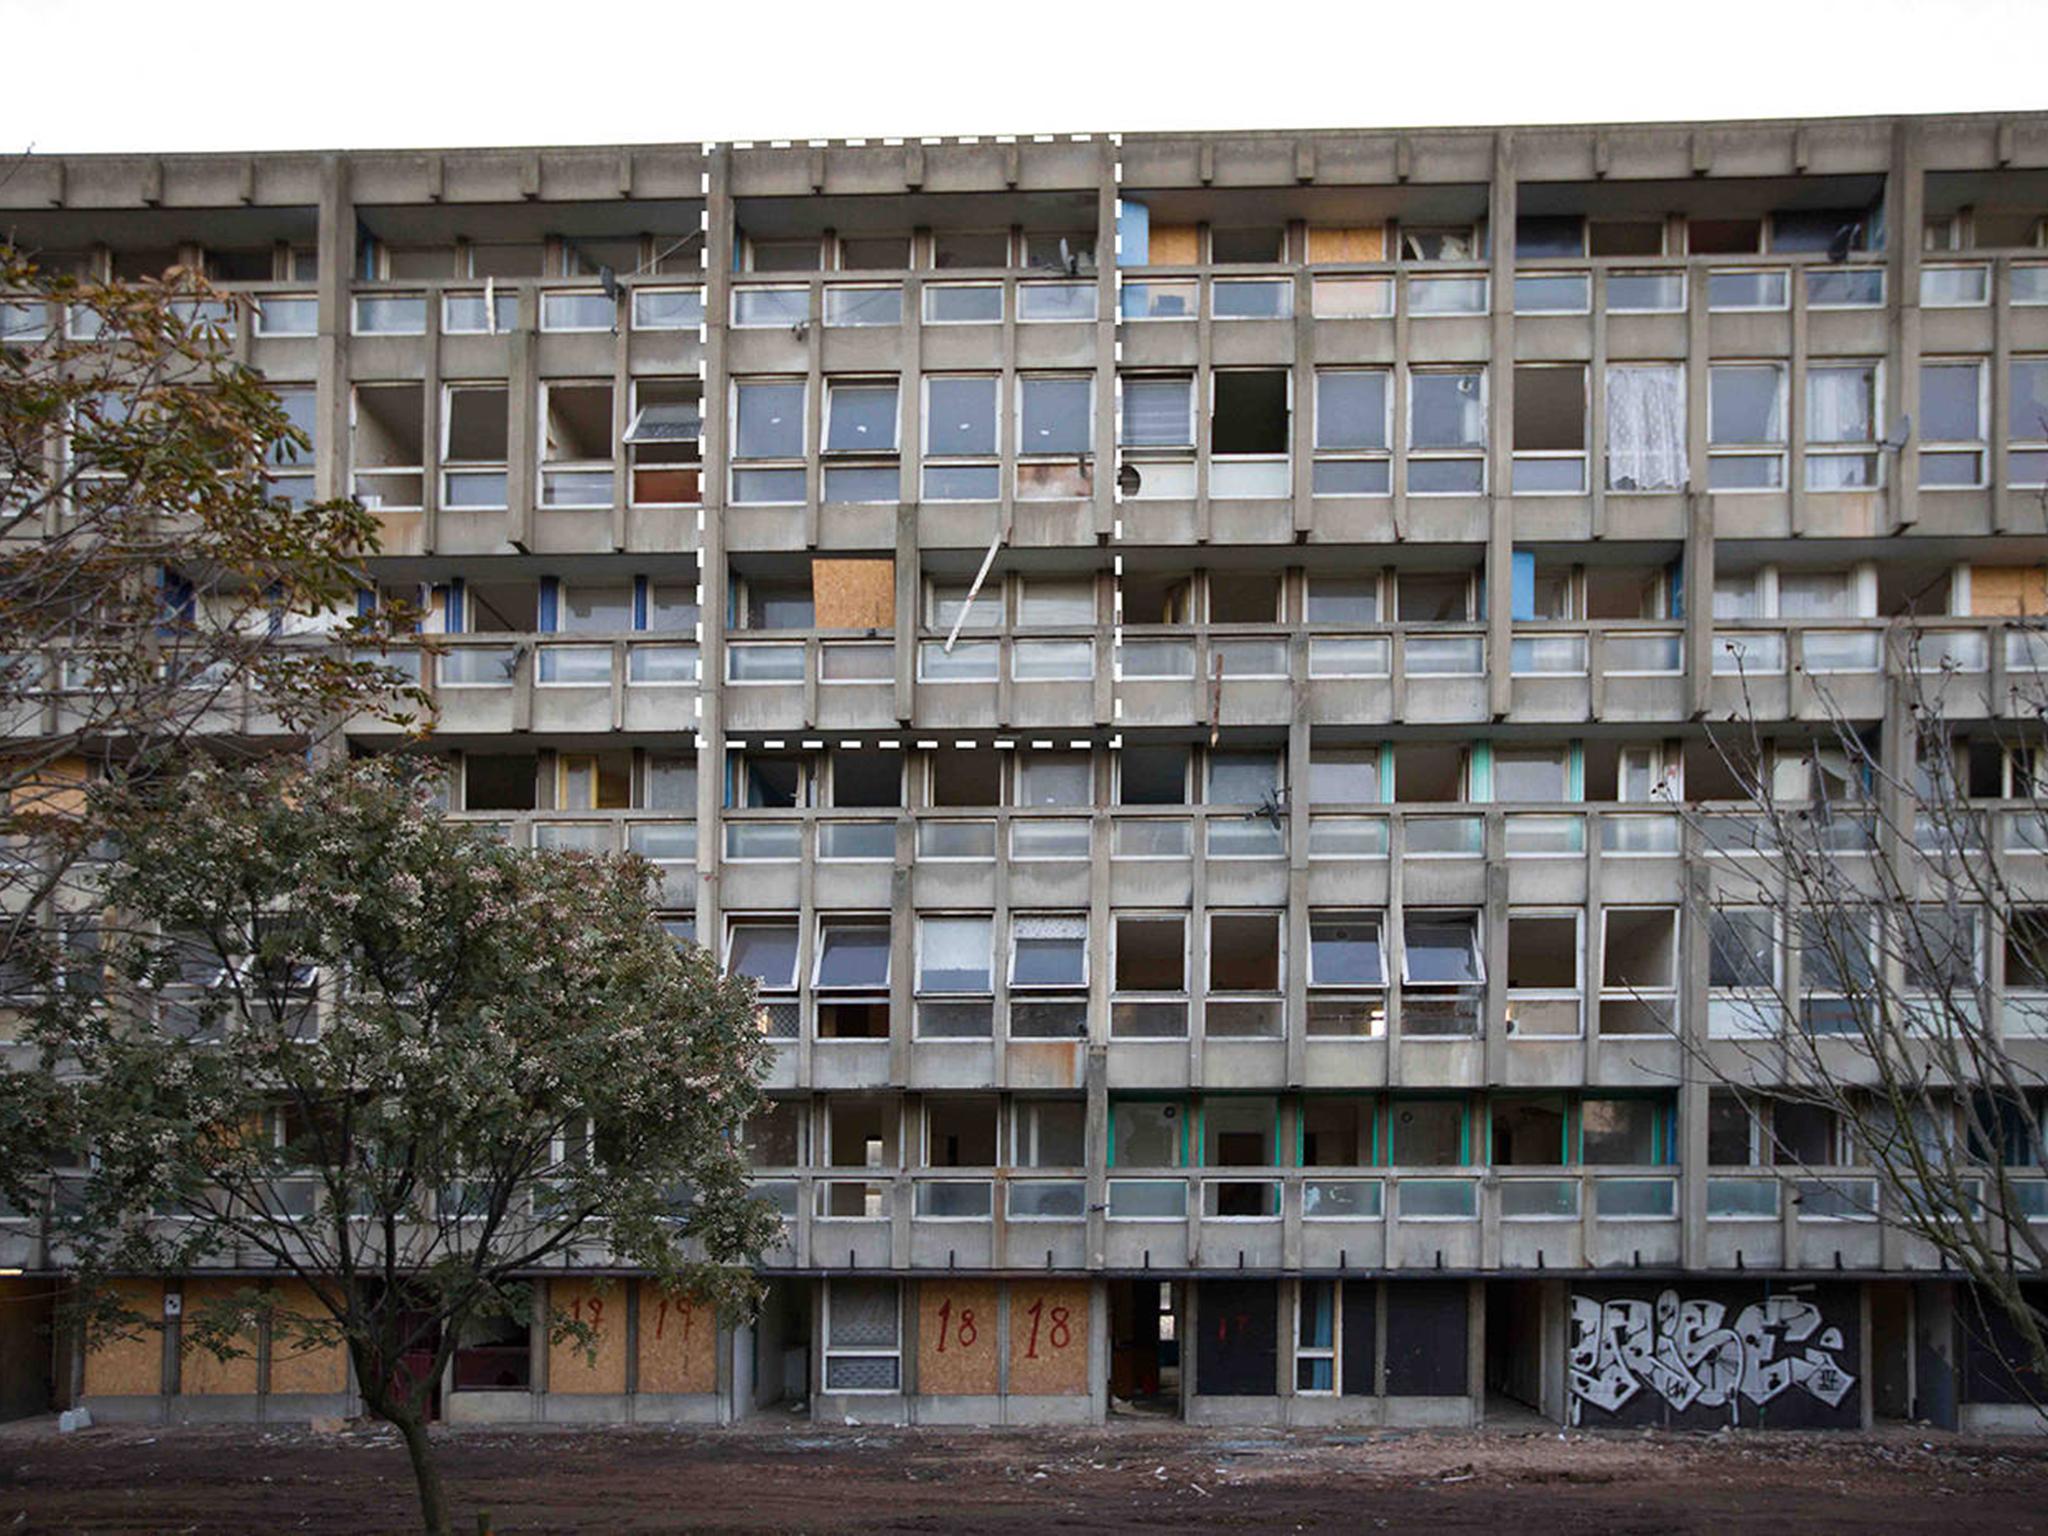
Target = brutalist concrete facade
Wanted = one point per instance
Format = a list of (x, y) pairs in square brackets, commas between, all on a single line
[(1170, 657)]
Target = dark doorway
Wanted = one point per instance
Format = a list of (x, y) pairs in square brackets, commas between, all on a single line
[(1144, 1353), (1514, 1349)]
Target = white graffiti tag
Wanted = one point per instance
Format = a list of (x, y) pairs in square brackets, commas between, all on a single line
[(1683, 1353)]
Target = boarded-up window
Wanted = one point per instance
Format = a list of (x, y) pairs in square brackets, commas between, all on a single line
[(854, 594), (2008, 590), (1237, 1353), (1426, 1338), (1176, 245), (1338, 243)]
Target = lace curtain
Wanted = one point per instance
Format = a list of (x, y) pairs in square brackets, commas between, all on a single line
[(1646, 429)]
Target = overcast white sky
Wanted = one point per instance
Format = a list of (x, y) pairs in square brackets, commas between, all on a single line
[(230, 74)]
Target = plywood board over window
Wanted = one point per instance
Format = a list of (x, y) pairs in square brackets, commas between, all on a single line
[(854, 594), (55, 789), (956, 1337), (202, 1373), (294, 1367), (2009, 590), (1048, 1337), (131, 1366), (678, 1343), (1331, 242), (571, 1368), (1175, 245)]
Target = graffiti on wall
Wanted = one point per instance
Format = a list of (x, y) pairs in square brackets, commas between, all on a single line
[(1689, 1355)]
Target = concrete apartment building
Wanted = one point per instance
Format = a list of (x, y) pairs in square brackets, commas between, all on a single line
[(1170, 657)]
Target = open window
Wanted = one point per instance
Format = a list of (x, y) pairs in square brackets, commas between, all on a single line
[(1250, 431), (1639, 971), (965, 776), (851, 975), (959, 1132), (1245, 970), (1428, 1133), (1337, 1131), (766, 950), (1240, 1131), (1347, 974), (576, 445), (1545, 980), (1049, 1133), (664, 441), (473, 447), (500, 781), (593, 781), (1150, 980), (1443, 973), (1048, 951), (1153, 775), (1550, 430), (1429, 772), (955, 986), (388, 446)]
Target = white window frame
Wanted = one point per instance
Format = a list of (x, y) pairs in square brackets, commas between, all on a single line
[(1780, 450), (865, 1351), (1953, 448), (868, 921), (1467, 453), (987, 922), (1038, 988), (738, 920)]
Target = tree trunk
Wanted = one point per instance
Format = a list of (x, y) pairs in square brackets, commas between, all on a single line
[(426, 1475)]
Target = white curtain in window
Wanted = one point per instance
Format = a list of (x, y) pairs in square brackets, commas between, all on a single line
[(954, 955), (1838, 406), (1646, 429)]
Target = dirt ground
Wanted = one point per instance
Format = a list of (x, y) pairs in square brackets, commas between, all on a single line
[(1126, 1477)]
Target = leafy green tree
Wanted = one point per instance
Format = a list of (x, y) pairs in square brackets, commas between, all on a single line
[(352, 1042)]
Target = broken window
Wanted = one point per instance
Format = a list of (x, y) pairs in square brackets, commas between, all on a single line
[(1336, 1131), (1639, 971), (1646, 427), (1550, 430), (499, 782), (588, 609), (774, 781), (1153, 775), (473, 447), (1426, 1133), (1545, 235), (959, 1133), (1952, 415), (1049, 1133), (966, 776), (1240, 1132), (576, 447), (1746, 426), (1625, 237), (1265, 243), (1530, 1132), (664, 439), (1244, 778), (1354, 413), (1244, 957), (1244, 597), (1724, 237), (1453, 242), (1149, 955), (1447, 432), (1732, 1140), (388, 448), (1343, 599), (1429, 772), (1147, 1133), (1627, 592), (1543, 974), (2026, 949), (775, 1134), (1805, 1135), (1249, 420), (1627, 1133), (1838, 969), (1841, 426)]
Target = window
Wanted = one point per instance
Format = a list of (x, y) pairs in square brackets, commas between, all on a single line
[(1055, 779), (1536, 774), (970, 248), (852, 955), (1732, 1131), (668, 309), (1056, 601), (562, 310), (1354, 411), (1646, 428), (1427, 1133), (1147, 1133), (1545, 970), (1049, 1133), (863, 1339), (663, 442), (953, 955), (765, 951), (1841, 426), (960, 425), (1244, 953), (1055, 415), (1447, 432), (1443, 972), (1149, 956), (1249, 431), (1838, 968), (860, 416), (2027, 463), (1624, 1132), (1339, 776), (576, 446), (1952, 414), (963, 303), (1243, 778), (1746, 427), (1344, 950), (770, 419), (1343, 599), (1550, 430), (1152, 775), (1158, 412), (1748, 288), (1639, 971), (1048, 951), (388, 448)]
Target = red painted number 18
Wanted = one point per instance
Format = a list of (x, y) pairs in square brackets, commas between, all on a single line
[(1059, 1336), (964, 1335)]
